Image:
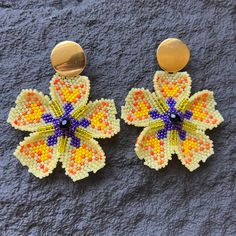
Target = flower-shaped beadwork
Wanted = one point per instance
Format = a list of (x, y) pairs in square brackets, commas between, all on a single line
[(63, 128), (174, 122)]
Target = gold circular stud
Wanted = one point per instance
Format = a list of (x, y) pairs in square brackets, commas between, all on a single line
[(173, 55), (68, 58)]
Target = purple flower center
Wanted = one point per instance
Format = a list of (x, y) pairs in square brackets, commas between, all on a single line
[(173, 120), (65, 126)]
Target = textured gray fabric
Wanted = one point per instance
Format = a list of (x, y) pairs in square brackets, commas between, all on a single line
[(120, 39)]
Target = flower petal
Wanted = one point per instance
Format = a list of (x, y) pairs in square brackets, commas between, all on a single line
[(139, 104), (30, 106), (78, 162), (202, 107), (74, 90), (156, 152), (195, 148), (34, 153), (176, 86), (101, 118)]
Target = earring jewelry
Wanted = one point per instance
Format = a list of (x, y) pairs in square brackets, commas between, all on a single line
[(64, 127), (174, 122)]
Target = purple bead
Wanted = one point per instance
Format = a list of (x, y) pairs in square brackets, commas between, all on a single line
[(171, 102), (84, 123), (75, 123), (182, 134), (52, 140), (56, 122), (75, 142), (161, 134), (154, 114), (188, 115), (68, 107), (47, 118)]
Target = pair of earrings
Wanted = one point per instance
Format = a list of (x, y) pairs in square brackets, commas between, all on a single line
[(64, 128)]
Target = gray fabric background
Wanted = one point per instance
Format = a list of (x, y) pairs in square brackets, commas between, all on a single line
[(120, 39)]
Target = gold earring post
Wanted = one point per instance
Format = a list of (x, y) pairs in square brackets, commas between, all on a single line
[(172, 55), (68, 58)]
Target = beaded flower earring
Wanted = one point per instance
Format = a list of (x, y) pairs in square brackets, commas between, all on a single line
[(173, 121), (64, 127)]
